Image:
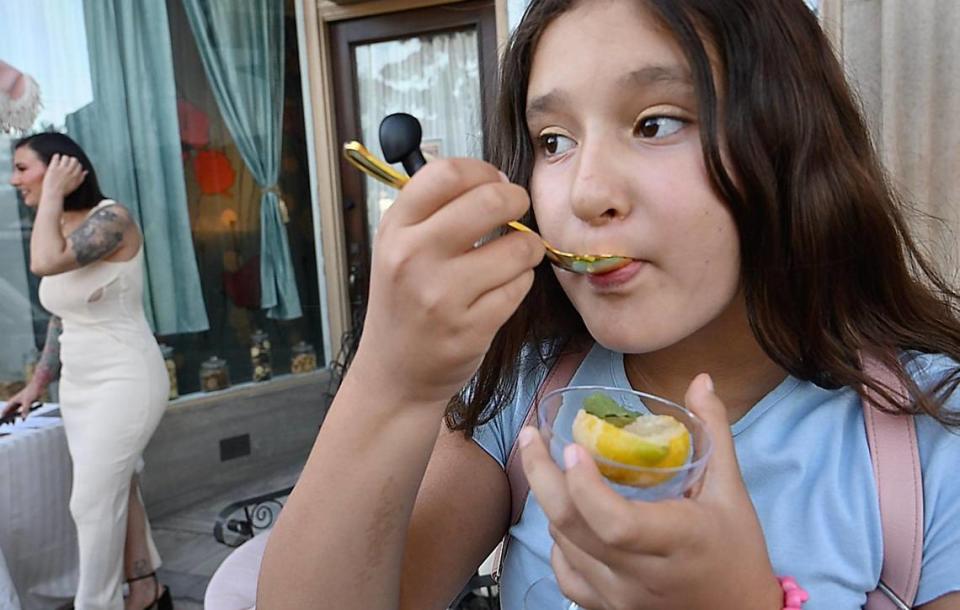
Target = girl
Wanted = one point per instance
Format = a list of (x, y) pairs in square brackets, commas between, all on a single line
[(113, 383), (717, 144)]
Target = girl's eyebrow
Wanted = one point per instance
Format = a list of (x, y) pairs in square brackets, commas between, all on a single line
[(543, 104), (645, 77), (657, 74)]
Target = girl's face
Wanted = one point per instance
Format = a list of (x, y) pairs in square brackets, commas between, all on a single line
[(28, 171), (619, 170)]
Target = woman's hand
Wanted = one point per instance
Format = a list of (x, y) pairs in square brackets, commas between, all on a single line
[(21, 401), (63, 176), (610, 553), (436, 300)]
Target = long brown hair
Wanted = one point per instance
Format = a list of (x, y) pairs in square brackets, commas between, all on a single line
[(829, 268)]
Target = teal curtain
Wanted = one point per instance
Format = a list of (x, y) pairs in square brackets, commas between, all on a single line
[(131, 134), (241, 45)]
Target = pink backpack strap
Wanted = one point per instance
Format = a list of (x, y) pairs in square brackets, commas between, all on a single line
[(559, 376), (896, 466)]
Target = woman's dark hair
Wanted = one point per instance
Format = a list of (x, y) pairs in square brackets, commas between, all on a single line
[(828, 266), (50, 143)]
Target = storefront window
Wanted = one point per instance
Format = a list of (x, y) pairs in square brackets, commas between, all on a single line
[(224, 199), (193, 118)]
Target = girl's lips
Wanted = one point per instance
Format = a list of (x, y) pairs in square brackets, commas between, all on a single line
[(618, 276)]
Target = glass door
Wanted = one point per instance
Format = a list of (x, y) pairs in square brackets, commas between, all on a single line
[(439, 65), (434, 77)]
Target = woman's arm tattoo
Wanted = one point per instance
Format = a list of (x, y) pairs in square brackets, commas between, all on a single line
[(48, 367), (99, 235)]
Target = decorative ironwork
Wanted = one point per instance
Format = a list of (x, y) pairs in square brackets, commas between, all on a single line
[(241, 520)]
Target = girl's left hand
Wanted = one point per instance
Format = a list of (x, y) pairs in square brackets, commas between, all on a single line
[(63, 176), (610, 553)]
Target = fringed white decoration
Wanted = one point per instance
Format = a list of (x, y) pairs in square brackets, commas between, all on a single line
[(19, 114)]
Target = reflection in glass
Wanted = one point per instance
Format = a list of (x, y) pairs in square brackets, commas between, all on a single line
[(48, 40)]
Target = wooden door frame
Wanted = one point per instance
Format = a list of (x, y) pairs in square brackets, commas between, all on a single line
[(318, 14)]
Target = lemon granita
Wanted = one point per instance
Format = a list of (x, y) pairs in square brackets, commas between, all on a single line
[(609, 431)]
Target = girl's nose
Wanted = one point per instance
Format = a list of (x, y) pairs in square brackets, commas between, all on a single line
[(599, 193)]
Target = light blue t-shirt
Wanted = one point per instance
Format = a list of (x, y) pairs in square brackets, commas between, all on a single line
[(804, 456)]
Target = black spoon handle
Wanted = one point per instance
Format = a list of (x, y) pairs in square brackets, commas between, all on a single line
[(400, 137)]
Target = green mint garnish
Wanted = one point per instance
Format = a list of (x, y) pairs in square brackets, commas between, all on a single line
[(600, 405)]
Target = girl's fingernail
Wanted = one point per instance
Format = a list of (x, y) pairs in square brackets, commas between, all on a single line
[(571, 456), (503, 177), (709, 382), (526, 435)]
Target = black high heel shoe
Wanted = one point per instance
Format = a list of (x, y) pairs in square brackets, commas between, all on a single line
[(162, 599)]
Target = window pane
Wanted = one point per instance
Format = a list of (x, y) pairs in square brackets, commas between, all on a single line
[(224, 202), (435, 78)]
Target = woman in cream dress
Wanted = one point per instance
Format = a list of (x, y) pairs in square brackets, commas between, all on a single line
[(113, 383)]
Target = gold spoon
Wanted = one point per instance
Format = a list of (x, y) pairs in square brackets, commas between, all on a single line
[(361, 158)]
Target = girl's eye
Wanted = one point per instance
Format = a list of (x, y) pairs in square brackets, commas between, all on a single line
[(555, 144), (657, 127)]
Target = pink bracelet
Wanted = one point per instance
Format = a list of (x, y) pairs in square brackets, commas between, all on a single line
[(793, 594)]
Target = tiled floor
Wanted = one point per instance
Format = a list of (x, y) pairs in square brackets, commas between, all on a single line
[(185, 539)]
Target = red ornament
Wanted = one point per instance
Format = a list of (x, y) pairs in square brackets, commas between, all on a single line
[(214, 172), (194, 125)]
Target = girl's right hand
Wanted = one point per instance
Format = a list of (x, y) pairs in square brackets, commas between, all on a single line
[(436, 301), (21, 401)]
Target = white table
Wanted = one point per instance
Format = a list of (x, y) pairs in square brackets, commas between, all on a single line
[(8, 595), (38, 540)]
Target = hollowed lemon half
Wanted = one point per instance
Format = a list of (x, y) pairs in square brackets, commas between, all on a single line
[(652, 441)]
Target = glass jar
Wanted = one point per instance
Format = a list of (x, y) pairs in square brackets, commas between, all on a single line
[(214, 374), (167, 352), (303, 358), (260, 356)]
